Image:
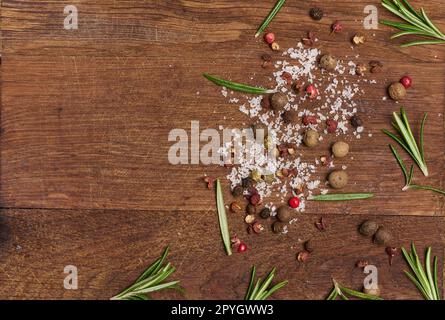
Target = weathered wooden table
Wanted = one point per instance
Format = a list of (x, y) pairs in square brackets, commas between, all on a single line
[(85, 179)]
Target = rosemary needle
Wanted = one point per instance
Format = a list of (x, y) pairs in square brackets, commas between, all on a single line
[(270, 17), (236, 86), (222, 216), (341, 197)]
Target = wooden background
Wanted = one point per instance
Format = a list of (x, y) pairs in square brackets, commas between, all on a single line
[(85, 179)]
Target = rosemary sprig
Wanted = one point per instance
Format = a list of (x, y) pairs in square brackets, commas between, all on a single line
[(223, 225), (409, 175), (425, 280), (406, 139), (270, 17), (236, 86), (417, 23), (261, 290), (150, 280), (340, 291), (341, 196)]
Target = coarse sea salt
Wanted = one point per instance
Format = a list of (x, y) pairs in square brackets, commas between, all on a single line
[(337, 93)]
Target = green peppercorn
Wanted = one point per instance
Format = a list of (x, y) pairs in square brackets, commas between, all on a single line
[(265, 213)]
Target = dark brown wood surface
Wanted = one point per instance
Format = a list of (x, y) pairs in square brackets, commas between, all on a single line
[(85, 179)]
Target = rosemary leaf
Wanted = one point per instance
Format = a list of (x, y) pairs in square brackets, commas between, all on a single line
[(270, 17), (429, 188), (252, 280), (401, 164), (236, 86), (358, 294), (342, 291), (224, 227), (341, 197), (422, 129)]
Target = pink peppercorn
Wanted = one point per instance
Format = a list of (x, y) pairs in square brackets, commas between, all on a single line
[(269, 37), (407, 82)]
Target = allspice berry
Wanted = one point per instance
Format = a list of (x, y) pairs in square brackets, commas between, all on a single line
[(290, 116), (338, 179), (368, 228), (279, 227), (328, 62), (278, 101), (382, 236), (311, 138), (397, 91), (284, 214), (340, 149)]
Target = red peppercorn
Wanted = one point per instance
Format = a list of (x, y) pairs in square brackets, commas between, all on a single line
[(332, 125), (255, 199), (294, 202), (287, 77), (269, 37), (407, 82), (312, 91), (336, 27), (242, 247), (307, 120)]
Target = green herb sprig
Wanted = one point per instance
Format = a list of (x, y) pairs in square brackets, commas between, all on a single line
[(406, 139), (409, 175), (151, 280), (340, 197), (222, 216), (270, 17), (340, 291), (260, 290), (236, 86), (426, 280), (417, 23)]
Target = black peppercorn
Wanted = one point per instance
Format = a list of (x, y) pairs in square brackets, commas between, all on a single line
[(250, 209), (356, 122), (316, 13), (237, 191), (247, 183), (265, 213)]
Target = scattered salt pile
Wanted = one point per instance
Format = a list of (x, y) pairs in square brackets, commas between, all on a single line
[(286, 173)]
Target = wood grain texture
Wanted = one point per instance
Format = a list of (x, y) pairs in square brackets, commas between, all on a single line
[(85, 117), (110, 249)]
